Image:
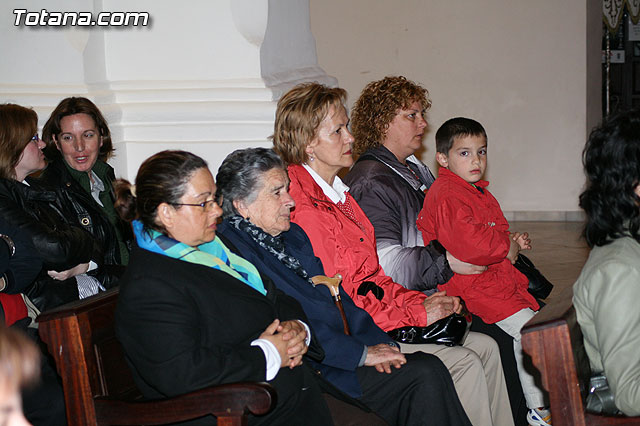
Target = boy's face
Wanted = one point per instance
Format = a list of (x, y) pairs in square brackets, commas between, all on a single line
[(467, 158)]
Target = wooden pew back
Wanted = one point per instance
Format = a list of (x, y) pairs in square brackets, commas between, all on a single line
[(98, 384), (554, 341)]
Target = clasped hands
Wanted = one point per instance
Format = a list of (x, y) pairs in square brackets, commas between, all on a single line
[(289, 339), (518, 241)]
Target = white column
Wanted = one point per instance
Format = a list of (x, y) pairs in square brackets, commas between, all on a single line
[(203, 75)]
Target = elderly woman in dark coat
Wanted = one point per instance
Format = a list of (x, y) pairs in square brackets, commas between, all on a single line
[(253, 189)]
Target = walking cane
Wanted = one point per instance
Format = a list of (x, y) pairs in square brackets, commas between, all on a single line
[(334, 288)]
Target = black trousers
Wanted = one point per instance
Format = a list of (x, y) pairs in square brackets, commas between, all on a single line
[(300, 400), (512, 379), (421, 392)]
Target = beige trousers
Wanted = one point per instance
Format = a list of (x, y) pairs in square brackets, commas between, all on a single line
[(477, 374)]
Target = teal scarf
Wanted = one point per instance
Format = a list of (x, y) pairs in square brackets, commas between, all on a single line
[(213, 254)]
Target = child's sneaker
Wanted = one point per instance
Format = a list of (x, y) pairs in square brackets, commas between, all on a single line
[(539, 417)]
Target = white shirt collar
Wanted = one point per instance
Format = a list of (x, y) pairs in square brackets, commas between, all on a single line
[(336, 192), (97, 186)]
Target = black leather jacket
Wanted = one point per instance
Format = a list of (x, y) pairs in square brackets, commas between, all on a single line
[(21, 267), (61, 245), (79, 207)]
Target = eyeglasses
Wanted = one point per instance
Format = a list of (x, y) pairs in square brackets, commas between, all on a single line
[(206, 205)]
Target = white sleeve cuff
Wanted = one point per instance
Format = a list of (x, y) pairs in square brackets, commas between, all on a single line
[(363, 357), (271, 356), (307, 341)]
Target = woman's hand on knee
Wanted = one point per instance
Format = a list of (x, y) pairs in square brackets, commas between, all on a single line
[(383, 357)]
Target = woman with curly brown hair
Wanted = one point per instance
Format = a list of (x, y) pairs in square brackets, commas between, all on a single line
[(388, 181)]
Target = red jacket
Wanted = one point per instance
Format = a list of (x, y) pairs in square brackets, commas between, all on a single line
[(470, 225), (13, 308), (347, 249)]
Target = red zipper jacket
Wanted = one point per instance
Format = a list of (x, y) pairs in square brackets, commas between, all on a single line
[(469, 223), (349, 250)]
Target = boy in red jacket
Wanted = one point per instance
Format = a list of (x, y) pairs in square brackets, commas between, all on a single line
[(467, 220)]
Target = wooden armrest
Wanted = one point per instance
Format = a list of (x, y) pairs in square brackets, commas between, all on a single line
[(551, 315), (553, 339), (222, 401), (78, 306)]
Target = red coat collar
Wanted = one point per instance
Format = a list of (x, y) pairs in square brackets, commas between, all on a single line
[(448, 174), (304, 181)]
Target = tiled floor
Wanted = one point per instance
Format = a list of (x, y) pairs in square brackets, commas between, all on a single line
[(557, 250)]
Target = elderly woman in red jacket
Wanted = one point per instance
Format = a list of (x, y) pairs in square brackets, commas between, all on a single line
[(311, 135)]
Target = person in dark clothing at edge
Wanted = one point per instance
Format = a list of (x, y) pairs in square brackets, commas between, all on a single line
[(66, 250), (43, 401)]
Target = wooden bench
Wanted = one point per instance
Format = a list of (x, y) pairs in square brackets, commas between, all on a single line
[(554, 341), (98, 385)]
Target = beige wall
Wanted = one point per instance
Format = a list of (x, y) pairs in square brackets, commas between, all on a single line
[(520, 67)]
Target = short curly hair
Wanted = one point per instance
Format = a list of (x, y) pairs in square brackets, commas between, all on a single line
[(298, 116), (378, 104)]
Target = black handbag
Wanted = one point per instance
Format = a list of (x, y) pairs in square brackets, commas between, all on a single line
[(539, 286), (449, 331)]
